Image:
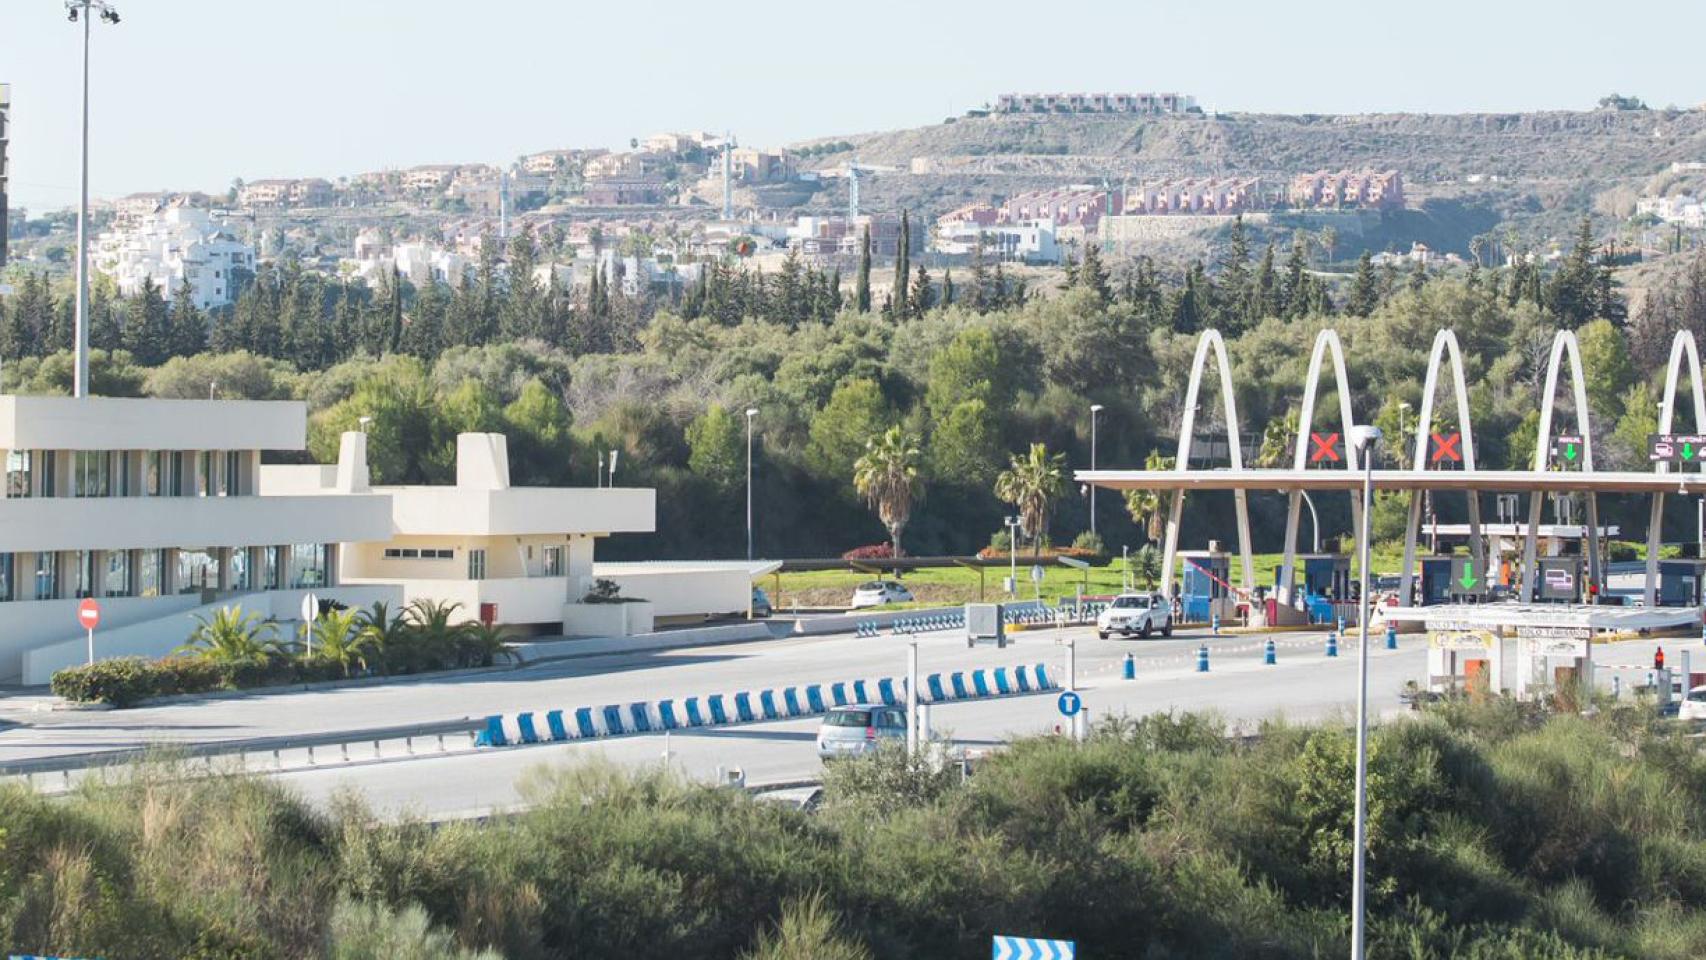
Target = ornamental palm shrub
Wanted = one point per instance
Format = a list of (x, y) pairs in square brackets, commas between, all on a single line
[(231, 635), (340, 641), (432, 637), (386, 634)]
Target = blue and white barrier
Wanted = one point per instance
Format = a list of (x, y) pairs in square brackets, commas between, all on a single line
[(755, 706)]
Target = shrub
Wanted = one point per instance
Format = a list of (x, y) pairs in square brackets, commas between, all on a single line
[(120, 681), (189, 675), (870, 551), (1090, 543)]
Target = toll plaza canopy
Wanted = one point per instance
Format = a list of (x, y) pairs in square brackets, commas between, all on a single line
[(1523, 617), (1487, 481)]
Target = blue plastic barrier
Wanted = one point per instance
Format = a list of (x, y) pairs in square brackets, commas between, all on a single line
[(719, 714), (694, 717), (838, 692), (666, 715), (814, 698), (934, 682), (583, 722), (1043, 681), (791, 700), (859, 692), (767, 705), (524, 723), (554, 722), (1023, 681), (959, 681), (613, 720), (980, 682), (1001, 682), (642, 722), (493, 735), (885, 690), (743, 707)]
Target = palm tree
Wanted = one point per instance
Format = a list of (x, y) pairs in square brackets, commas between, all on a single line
[(887, 477), (482, 644), (340, 639), (388, 636), (230, 635), (1145, 506), (1032, 483), (431, 629)]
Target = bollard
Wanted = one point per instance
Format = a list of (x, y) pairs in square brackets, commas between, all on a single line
[(1616, 686), (1332, 644), (1268, 652), (1130, 668), (1202, 659), (1214, 624), (1391, 637), (1341, 625)]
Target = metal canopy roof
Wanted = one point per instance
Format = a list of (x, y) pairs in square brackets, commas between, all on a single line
[(1553, 615), (1511, 481)]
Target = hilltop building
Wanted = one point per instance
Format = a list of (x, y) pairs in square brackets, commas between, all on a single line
[(1367, 190), (308, 192), (173, 245), (1207, 196), (1153, 104)]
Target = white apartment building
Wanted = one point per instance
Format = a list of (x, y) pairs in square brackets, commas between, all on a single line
[(1032, 241), (172, 245), (154, 507), (1681, 209), (415, 261)]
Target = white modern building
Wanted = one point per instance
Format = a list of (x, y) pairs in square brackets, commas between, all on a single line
[(522, 557), (417, 262), (1032, 241), (171, 245), (154, 508)]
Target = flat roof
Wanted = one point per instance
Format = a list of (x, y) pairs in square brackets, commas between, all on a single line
[(1447, 616), (1510, 481), (521, 511), (1568, 531), (752, 568)]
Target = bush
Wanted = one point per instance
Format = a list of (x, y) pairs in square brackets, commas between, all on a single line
[(870, 551), (1000, 540), (120, 681), (1090, 543)]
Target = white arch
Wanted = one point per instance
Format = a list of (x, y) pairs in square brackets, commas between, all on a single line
[(1169, 554), (1564, 346), (1444, 346), (1325, 341), (1681, 346)]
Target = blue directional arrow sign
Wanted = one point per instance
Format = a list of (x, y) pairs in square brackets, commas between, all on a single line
[(1070, 703), (1024, 948)]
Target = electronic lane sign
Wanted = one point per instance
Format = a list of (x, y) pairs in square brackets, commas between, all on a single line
[(1447, 447), (1467, 578), (1325, 448), (1568, 450), (1676, 447)]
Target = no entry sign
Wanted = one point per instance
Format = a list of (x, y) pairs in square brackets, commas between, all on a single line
[(89, 613)]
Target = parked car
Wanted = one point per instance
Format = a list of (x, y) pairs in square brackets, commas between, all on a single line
[(862, 728), (1693, 706), (1136, 613), (761, 603), (879, 593)]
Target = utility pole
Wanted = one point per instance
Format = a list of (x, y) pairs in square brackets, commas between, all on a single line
[(1365, 436), (1095, 409), (82, 10), (750, 413)]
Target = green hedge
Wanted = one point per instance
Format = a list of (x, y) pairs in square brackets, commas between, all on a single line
[(124, 681)]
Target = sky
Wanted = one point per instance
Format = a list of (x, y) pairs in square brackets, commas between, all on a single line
[(189, 94)]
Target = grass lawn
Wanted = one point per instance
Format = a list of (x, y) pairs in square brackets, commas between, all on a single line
[(935, 586)]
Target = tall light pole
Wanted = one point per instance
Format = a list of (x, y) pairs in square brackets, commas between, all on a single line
[(1015, 526), (1095, 408), (750, 413), (1365, 436), (81, 10)]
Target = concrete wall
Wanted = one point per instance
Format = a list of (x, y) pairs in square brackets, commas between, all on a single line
[(682, 593), (522, 510), (159, 636), (521, 601), (129, 523), (31, 623), (122, 423)]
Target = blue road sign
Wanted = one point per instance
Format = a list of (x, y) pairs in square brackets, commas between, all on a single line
[(1069, 703), (1024, 948)]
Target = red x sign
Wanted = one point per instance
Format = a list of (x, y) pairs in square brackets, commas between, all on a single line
[(1326, 448), (1446, 447)]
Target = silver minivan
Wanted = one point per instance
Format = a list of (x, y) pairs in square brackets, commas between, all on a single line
[(858, 729)]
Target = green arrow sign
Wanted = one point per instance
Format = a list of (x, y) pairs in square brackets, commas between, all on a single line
[(1569, 451), (1469, 579), (1688, 451)]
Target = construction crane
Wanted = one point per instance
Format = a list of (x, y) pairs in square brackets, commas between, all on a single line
[(853, 168)]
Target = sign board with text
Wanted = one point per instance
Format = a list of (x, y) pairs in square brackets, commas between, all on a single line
[(1676, 447), (1568, 450)]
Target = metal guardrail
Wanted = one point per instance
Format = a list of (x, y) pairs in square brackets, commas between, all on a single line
[(66, 764)]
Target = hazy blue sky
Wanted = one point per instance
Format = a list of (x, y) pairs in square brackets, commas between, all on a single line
[(191, 93)]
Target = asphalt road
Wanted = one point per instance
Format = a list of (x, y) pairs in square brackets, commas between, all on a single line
[(1304, 685)]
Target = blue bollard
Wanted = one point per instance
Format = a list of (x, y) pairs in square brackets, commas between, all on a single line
[(1214, 624), (1268, 652), (1130, 668), (1202, 659), (1341, 625), (1332, 644), (1391, 637)]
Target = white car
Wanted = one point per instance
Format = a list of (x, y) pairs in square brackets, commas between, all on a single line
[(1136, 613), (1693, 706), (879, 593)]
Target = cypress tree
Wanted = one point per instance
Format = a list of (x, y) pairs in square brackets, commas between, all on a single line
[(1365, 288), (147, 331), (922, 296), (902, 268), (189, 324), (862, 289), (948, 287)]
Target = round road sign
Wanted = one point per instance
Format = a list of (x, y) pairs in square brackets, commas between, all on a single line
[(89, 613), (1070, 703), (1036, 573), (310, 606)]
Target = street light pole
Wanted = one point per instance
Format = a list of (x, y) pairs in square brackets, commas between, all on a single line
[(1014, 525), (82, 10), (750, 413), (1095, 408), (1365, 436)]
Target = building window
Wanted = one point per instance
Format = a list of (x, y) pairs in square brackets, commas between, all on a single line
[(177, 473), (151, 473), (233, 472), (553, 561), (91, 473), (197, 571), (49, 473), (118, 574), (122, 460), (19, 464), (151, 573), (204, 467), (85, 572), (308, 566), (240, 569), (7, 567), (476, 564), (47, 575)]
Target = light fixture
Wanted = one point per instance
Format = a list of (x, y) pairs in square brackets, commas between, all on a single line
[(364, 421), (1365, 435), (752, 411)]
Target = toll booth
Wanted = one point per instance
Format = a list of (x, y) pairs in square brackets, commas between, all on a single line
[(1679, 581), (1204, 591), (1435, 582), (1325, 593)]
